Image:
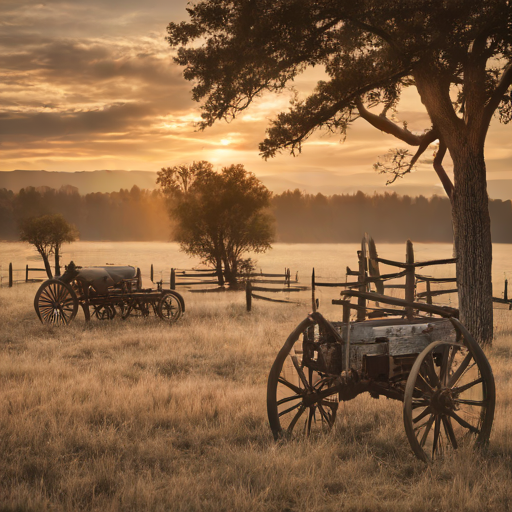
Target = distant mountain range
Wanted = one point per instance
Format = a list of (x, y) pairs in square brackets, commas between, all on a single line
[(312, 182)]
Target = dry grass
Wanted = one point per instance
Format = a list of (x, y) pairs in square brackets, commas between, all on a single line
[(139, 416)]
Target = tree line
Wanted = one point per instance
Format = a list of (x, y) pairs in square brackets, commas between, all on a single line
[(141, 215)]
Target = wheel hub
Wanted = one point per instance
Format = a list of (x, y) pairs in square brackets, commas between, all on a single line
[(443, 400)]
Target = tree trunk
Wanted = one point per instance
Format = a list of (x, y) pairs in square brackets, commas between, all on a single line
[(472, 229), (57, 260), (46, 264), (220, 276)]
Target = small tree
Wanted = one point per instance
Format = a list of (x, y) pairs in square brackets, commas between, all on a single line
[(47, 234), (219, 216)]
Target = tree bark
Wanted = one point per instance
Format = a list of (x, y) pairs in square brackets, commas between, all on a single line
[(472, 227), (46, 263), (57, 260)]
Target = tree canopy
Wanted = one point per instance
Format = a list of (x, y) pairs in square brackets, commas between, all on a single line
[(219, 216), (456, 53), (47, 233)]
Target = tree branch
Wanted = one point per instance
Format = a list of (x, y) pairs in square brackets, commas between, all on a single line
[(496, 97), (376, 31), (438, 167), (386, 125)]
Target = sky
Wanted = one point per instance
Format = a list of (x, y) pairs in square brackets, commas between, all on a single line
[(90, 85)]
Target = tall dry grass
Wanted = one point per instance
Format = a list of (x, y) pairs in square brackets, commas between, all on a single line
[(138, 416)]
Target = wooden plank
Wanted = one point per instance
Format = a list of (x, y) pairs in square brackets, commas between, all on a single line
[(427, 308), (264, 289), (436, 292), (436, 279), (260, 297)]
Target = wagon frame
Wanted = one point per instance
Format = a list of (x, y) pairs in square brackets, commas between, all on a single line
[(430, 363), (104, 292)]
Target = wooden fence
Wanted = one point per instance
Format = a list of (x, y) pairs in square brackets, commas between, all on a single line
[(10, 275)]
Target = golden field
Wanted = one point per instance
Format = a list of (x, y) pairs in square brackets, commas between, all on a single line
[(137, 415)]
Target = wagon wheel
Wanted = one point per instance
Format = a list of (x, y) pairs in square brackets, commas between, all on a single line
[(104, 312), (449, 398), (56, 302), (293, 407), (169, 307)]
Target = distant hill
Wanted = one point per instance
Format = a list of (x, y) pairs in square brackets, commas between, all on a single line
[(86, 182), (323, 182)]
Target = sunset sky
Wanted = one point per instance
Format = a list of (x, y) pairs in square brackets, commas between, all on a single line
[(90, 84)]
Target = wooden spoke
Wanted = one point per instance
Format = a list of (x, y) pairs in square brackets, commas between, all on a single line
[(447, 424), (296, 406), (422, 415), (431, 372), (293, 387), (300, 373), (463, 423), (289, 399), (427, 430), (436, 441), (461, 389), (296, 418), (459, 371), (476, 403)]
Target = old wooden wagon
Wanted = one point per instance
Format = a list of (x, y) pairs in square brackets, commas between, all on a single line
[(103, 293), (430, 363)]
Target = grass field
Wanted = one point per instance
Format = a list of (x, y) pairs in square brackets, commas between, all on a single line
[(136, 415)]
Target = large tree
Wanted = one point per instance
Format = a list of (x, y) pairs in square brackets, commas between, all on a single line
[(457, 53), (219, 216), (47, 234)]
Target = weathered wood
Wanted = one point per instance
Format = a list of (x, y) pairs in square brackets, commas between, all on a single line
[(436, 279), (248, 295), (283, 301), (193, 283), (410, 285), (392, 263), (173, 279), (139, 279), (361, 278), (26, 274), (374, 267), (10, 275), (435, 293), (313, 299), (427, 308), (264, 289)]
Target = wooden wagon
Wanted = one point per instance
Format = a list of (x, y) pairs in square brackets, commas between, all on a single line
[(103, 293), (430, 363)]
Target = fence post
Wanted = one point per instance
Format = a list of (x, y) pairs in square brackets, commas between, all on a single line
[(361, 277), (288, 277), (297, 276), (409, 278), (151, 276), (505, 291), (26, 274), (313, 300), (248, 295), (173, 279), (10, 275)]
